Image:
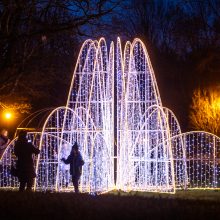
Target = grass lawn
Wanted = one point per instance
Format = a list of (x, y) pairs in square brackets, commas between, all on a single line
[(211, 195), (199, 204)]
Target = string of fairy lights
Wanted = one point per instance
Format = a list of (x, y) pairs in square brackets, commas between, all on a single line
[(128, 140)]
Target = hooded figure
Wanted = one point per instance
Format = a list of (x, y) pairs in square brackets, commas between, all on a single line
[(25, 164), (76, 162)]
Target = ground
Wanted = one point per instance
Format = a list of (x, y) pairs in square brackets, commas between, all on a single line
[(199, 204)]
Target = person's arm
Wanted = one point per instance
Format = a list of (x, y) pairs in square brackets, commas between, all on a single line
[(81, 160), (35, 150), (67, 161)]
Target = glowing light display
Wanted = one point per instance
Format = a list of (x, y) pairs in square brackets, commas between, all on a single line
[(127, 138)]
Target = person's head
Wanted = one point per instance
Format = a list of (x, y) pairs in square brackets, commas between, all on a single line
[(22, 135), (4, 132), (75, 148)]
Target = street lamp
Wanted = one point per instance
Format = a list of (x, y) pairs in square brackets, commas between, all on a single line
[(8, 115)]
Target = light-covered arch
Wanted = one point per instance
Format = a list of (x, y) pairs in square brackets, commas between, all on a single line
[(202, 159), (146, 159), (138, 95)]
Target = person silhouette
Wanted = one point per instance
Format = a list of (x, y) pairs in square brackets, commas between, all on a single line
[(4, 140), (25, 166), (76, 162)]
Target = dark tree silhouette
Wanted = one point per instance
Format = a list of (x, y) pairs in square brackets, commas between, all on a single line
[(38, 43)]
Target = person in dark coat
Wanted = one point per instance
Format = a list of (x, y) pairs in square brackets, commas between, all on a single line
[(76, 162), (25, 165), (3, 141)]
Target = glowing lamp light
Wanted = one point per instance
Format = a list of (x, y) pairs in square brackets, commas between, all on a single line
[(8, 115)]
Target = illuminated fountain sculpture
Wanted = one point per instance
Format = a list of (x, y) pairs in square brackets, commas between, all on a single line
[(128, 140)]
